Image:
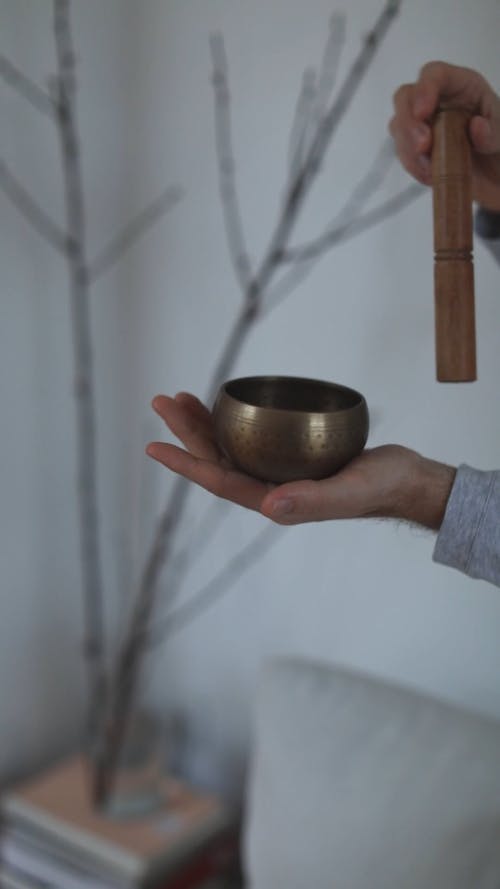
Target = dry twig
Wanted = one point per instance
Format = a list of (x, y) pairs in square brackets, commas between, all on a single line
[(94, 639), (133, 231), (303, 259), (225, 156), (354, 226), (61, 106), (32, 212), (315, 95), (212, 591), (30, 91)]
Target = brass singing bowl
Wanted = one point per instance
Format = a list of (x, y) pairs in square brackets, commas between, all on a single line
[(282, 429)]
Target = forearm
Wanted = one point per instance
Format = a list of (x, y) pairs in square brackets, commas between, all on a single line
[(427, 492)]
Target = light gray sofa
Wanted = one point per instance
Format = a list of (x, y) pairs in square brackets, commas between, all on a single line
[(359, 784)]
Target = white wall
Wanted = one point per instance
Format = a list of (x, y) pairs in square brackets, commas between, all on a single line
[(362, 593)]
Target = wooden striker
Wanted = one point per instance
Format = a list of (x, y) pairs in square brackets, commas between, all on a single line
[(453, 264)]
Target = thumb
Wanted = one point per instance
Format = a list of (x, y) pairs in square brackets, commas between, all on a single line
[(310, 501), (485, 135), (295, 502)]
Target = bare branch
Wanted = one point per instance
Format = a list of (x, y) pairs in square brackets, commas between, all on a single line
[(133, 230), (300, 123), (315, 95), (368, 184), (201, 535), (231, 349), (26, 88), (32, 212), (94, 643), (199, 538), (226, 165), (303, 263), (337, 110), (359, 197), (127, 668), (330, 63), (299, 187), (223, 581), (356, 225)]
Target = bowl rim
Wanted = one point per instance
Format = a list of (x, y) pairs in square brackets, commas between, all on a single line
[(360, 402)]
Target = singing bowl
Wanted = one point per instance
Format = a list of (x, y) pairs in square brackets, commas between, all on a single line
[(282, 429)]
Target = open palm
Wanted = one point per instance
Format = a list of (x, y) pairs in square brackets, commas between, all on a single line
[(372, 484)]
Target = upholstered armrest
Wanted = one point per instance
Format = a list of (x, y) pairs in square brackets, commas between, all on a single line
[(359, 784)]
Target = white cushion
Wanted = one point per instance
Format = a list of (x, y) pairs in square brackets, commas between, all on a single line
[(359, 784)]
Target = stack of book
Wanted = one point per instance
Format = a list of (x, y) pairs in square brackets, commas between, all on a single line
[(52, 838)]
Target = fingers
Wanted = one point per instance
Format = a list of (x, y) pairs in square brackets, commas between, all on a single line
[(485, 134), (415, 104), (191, 423), (412, 135), (463, 88), (483, 137), (217, 479), (195, 406), (439, 82), (435, 84), (202, 463)]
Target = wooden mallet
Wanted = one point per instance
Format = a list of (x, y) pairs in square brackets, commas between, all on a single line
[(453, 243)]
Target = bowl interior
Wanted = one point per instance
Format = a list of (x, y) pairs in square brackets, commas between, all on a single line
[(293, 394)]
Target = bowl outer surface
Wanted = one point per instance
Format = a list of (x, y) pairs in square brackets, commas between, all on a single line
[(283, 444)]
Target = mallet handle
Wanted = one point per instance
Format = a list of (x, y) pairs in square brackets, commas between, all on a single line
[(453, 242)]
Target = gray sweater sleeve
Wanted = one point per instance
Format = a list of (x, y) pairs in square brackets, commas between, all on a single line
[(487, 226), (469, 537)]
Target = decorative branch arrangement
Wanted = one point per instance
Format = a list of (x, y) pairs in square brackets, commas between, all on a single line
[(283, 266), (60, 106), (316, 120)]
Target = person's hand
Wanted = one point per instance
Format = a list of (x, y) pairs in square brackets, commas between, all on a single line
[(415, 105), (389, 481)]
